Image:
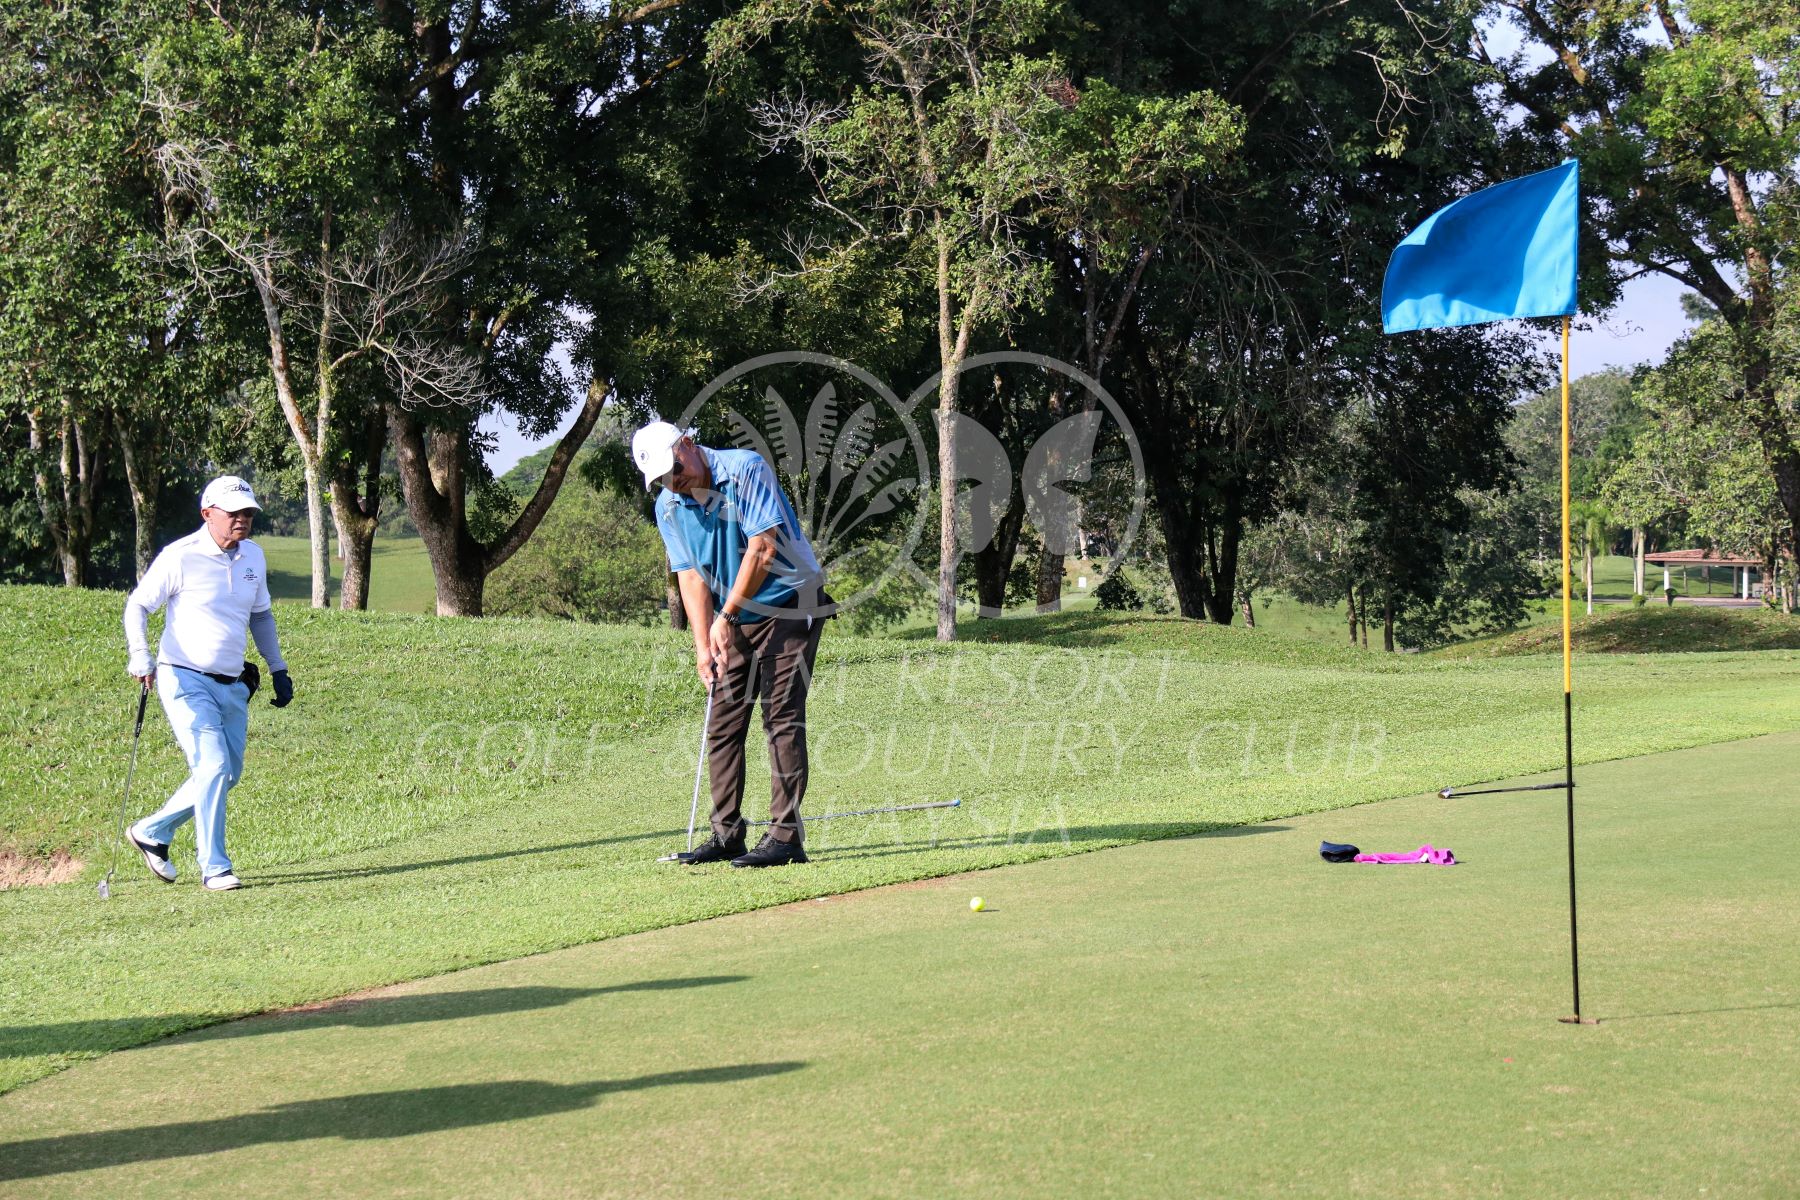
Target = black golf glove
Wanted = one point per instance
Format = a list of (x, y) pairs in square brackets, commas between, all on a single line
[(284, 689)]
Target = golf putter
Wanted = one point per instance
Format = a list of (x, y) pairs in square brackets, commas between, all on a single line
[(699, 771), (137, 732)]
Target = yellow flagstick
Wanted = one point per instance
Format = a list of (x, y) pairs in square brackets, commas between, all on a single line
[(1568, 659), (1568, 689)]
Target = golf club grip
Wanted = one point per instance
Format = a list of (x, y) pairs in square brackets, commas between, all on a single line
[(143, 701)]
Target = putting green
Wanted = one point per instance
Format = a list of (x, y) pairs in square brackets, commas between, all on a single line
[(1219, 1015)]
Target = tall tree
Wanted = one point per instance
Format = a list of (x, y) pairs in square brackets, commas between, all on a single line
[(527, 119), (1424, 444), (1697, 456), (1129, 159), (282, 174), (52, 82), (1683, 114), (946, 146), (1252, 324)]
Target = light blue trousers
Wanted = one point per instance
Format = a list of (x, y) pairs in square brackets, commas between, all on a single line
[(211, 722)]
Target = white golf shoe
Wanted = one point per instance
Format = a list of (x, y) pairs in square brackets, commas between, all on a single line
[(156, 855), (223, 883)]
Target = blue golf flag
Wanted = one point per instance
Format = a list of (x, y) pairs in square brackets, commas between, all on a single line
[(1505, 251)]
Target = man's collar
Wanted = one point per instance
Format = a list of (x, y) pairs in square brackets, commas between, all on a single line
[(204, 539)]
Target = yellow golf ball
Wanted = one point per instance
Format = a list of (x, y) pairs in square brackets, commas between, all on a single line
[(977, 904)]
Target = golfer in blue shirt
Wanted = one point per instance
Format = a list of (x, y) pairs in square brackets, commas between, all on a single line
[(753, 593)]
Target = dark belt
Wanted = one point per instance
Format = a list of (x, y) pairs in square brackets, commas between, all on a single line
[(208, 674)]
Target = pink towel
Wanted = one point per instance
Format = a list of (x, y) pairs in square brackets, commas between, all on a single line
[(1424, 854)]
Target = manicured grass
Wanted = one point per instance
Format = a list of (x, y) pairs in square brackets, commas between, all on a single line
[(1218, 1016), (445, 793), (399, 573), (1652, 629)]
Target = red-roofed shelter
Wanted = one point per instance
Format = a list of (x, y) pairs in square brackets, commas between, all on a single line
[(1740, 567)]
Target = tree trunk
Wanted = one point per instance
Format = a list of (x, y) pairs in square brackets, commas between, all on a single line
[(953, 347), (431, 479), (1049, 581), (1786, 469), (319, 548), (1387, 625), (1248, 611), (1222, 559), (993, 562), (1587, 574), (305, 439), (1637, 551), (947, 550), (356, 509), (434, 482), (1202, 558), (1755, 319), (1050, 562), (1187, 566), (1350, 612), (140, 450), (66, 497), (677, 614)]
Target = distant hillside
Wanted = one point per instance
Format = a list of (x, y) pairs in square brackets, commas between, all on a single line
[(525, 475)]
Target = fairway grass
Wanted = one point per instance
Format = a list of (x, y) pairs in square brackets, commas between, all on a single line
[(1219, 1016), (400, 578), (448, 793)]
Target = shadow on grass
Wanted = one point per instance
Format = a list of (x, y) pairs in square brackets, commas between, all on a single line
[(1116, 834), (280, 878), (1087, 627), (371, 1012), (366, 1117), (1702, 1012)]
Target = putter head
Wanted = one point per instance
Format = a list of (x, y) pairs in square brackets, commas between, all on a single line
[(1445, 793)]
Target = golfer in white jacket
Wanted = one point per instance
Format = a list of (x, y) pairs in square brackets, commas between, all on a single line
[(216, 586)]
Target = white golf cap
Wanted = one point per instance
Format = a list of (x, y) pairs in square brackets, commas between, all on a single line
[(229, 493), (653, 450)]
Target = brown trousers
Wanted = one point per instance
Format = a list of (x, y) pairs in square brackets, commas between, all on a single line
[(770, 661)]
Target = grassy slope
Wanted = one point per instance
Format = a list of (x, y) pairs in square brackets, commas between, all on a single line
[(446, 793), (1652, 629), (1218, 1016)]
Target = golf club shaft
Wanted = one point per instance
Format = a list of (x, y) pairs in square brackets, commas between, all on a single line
[(1453, 793), (870, 812), (137, 733), (699, 767)]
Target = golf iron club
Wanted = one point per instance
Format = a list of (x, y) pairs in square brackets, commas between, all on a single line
[(137, 732), (870, 812), (1454, 793), (699, 770)]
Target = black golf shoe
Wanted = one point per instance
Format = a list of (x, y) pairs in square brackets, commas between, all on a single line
[(772, 853), (713, 850)]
